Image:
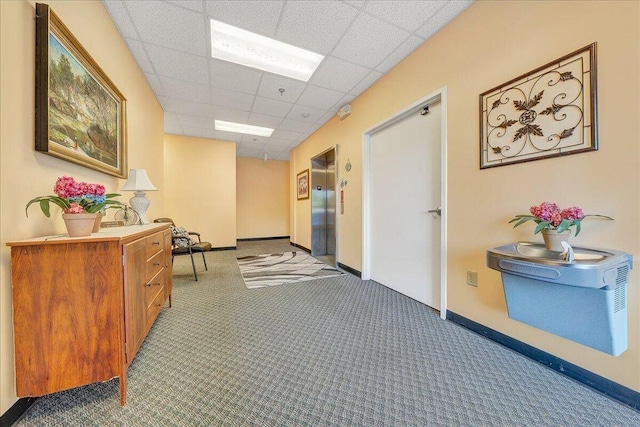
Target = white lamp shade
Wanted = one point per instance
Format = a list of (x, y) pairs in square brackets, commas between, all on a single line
[(138, 181)]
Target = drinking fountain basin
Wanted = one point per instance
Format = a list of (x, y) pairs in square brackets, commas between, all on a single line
[(581, 297), (581, 255)]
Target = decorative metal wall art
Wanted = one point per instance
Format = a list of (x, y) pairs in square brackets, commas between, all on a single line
[(80, 114), (548, 112)]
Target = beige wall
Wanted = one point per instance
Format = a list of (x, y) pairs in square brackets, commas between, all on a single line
[(262, 191), (25, 173), (491, 43), (200, 176)]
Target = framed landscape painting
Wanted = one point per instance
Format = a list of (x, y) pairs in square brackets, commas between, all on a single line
[(80, 114), (303, 184)]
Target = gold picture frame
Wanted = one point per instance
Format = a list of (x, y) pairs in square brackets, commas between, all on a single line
[(548, 112), (302, 184), (80, 115)]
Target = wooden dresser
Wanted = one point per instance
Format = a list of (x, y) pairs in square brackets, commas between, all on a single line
[(83, 306)]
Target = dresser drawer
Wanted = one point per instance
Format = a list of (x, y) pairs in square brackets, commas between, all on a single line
[(156, 305), (155, 264), (154, 243), (154, 286)]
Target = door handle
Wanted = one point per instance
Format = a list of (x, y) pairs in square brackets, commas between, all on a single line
[(437, 211)]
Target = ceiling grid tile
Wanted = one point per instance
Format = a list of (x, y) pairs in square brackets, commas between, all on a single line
[(362, 40)]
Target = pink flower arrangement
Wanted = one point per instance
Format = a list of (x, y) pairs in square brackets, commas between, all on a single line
[(67, 187), (549, 216), (75, 197)]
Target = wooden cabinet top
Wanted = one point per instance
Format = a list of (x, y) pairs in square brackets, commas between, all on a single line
[(115, 234)]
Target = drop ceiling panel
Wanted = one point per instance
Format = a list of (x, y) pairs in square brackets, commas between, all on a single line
[(196, 6), (285, 134), (294, 125), (180, 65), (230, 115), (249, 153), (231, 76), (173, 128), (365, 83), (273, 151), (154, 82), (277, 142), (185, 107), (319, 97), (179, 89), (121, 18), (362, 40), (271, 83), (140, 55), (231, 99), (258, 16), (452, 9), (170, 26), (226, 136), (171, 118), (297, 112), (254, 140), (408, 15), (196, 122), (302, 21), (401, 53), (326, 117), (199, 132), (271, 107), (338, 75), (369, 41), (263, 120), (313, 128)]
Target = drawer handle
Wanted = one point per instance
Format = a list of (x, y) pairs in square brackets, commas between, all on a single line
[(156, 243), (159, 304), (148, 285), (159, 284), (156, 264)]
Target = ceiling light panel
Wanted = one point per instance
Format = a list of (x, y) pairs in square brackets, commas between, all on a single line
[(243, 47), (242, 128)]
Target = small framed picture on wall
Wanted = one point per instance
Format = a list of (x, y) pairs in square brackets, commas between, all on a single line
[(303, 185)]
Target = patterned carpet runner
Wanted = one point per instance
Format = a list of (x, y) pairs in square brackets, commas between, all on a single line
[(259, 271)]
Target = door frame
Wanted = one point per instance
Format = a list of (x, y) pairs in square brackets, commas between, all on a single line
[(440, 95), (337, 185)]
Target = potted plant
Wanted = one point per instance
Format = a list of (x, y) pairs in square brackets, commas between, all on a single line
[(554, 223), (82, 204)]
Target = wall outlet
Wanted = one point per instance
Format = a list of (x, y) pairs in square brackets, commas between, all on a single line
[(472, 278)]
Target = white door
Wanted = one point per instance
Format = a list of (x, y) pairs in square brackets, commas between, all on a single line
[(405, 184)]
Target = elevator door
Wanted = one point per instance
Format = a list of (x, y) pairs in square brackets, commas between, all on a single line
[(323, 205)]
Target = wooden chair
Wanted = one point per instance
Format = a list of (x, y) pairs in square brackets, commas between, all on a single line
[(189, 247)]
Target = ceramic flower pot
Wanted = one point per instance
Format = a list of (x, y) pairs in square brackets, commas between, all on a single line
[(552, 239), (79, 225)]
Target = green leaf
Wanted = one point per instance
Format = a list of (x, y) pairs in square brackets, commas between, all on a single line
[(597, 216), (564, 225), (522, 221), (577, 221), (44, 201), (541, 226), (44, 205)]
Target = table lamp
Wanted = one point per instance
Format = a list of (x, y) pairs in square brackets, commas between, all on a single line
[(139, 182)]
